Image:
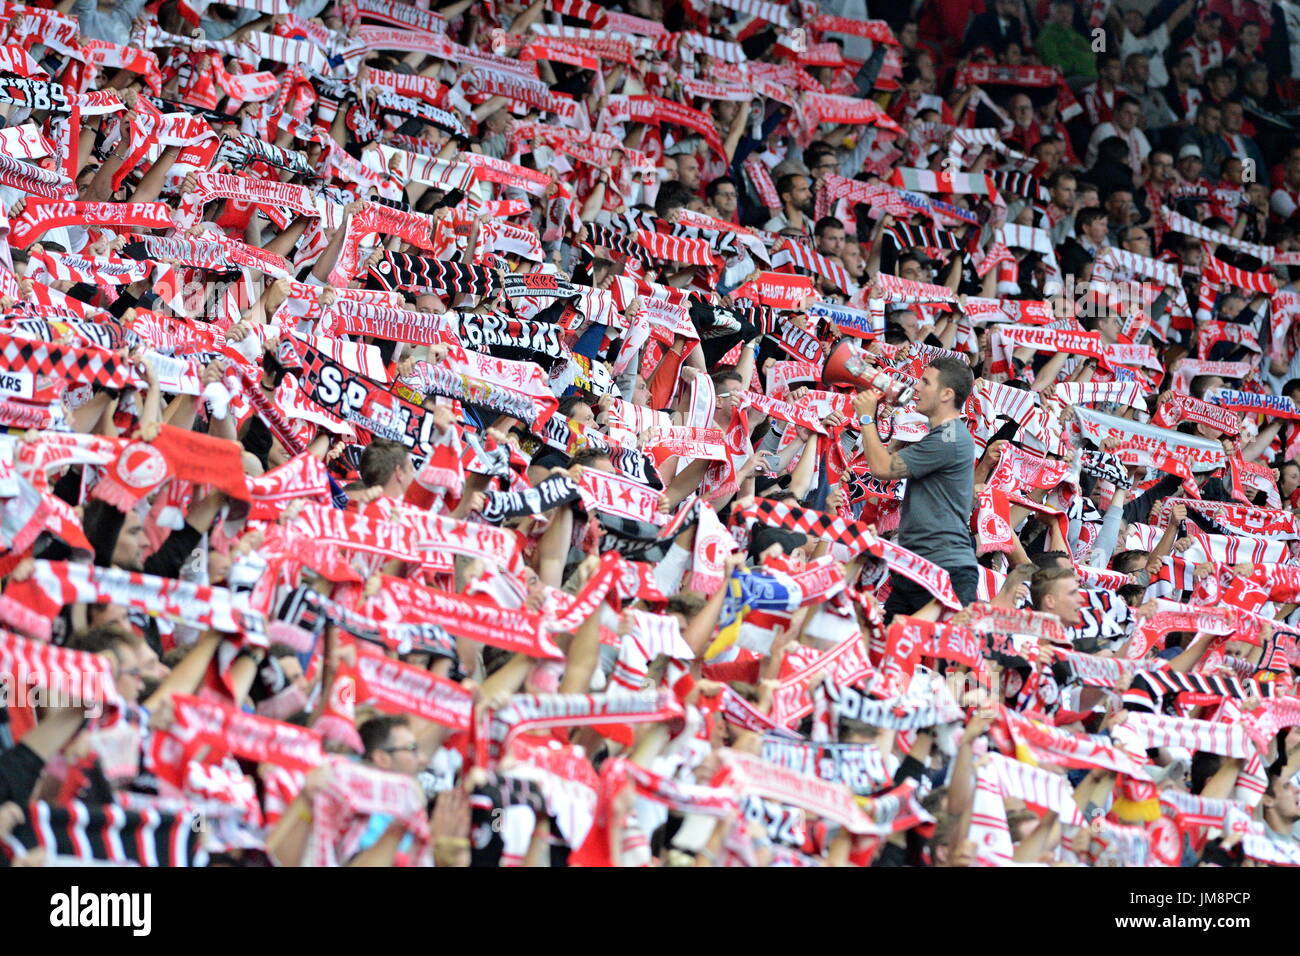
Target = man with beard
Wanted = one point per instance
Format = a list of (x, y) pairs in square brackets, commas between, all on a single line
[(796, 205)]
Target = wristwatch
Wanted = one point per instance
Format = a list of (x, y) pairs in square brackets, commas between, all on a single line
[(865, 420)]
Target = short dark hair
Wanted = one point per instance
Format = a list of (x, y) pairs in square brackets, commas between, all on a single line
[(672, 196), (815, 153), (380, 461), (763, 537), (569, 403), (1050, 559), (377, 732), (1041, 584), (824, 223), (1087, 217), (786, 183), (1132, 559), (956, 375), (1199, 384), (585, 456), (1059, 176), (1091, 323), (711, 190), (99, 640)]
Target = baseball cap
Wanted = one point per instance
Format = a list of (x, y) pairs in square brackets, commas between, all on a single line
[(1191, 149)]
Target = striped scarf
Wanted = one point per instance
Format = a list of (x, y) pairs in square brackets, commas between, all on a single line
[(695, 252), (910, 237), (32, 604), (1037, 787), (31, 178), (1145, 731), (922, 180), (241, 150), (96, 271), (527, 713), (401, 15), (407, 273), (896, 289), (111, 834), (1150, 688), (1018, 183), (794, 252), (1189, 227)]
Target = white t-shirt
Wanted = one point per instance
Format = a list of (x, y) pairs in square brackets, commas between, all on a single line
[(1154, 45)]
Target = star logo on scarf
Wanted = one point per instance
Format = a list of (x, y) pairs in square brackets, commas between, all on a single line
[(626, 497), (459, 532)]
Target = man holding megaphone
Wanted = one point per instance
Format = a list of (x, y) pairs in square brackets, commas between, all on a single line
[(940, 473)]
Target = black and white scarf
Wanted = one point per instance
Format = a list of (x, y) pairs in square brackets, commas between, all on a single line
[(398, 271), (549, 493)]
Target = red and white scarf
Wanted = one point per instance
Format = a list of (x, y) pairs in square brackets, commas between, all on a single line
[(41, 215), (32, 604)]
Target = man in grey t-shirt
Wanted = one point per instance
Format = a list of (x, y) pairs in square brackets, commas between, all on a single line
[(940, 473)]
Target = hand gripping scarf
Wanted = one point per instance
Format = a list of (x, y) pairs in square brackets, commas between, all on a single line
[(1040, 743), (553, 492), (831, 801), (41, 215), (261, 192), (364, 403), (227, 729), (399, 688), (680, 796), (471, 617), (1037, 787), (303, 476), (860, 766), (529, 713), (141, 467), (844, 666), (414, 228), (241, 150), (509, 388), (356, 792), (32, 604)]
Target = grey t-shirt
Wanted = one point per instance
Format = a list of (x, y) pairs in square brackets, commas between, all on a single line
[(937, 505)]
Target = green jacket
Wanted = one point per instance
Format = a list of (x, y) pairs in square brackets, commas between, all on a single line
[(1071, 51)]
